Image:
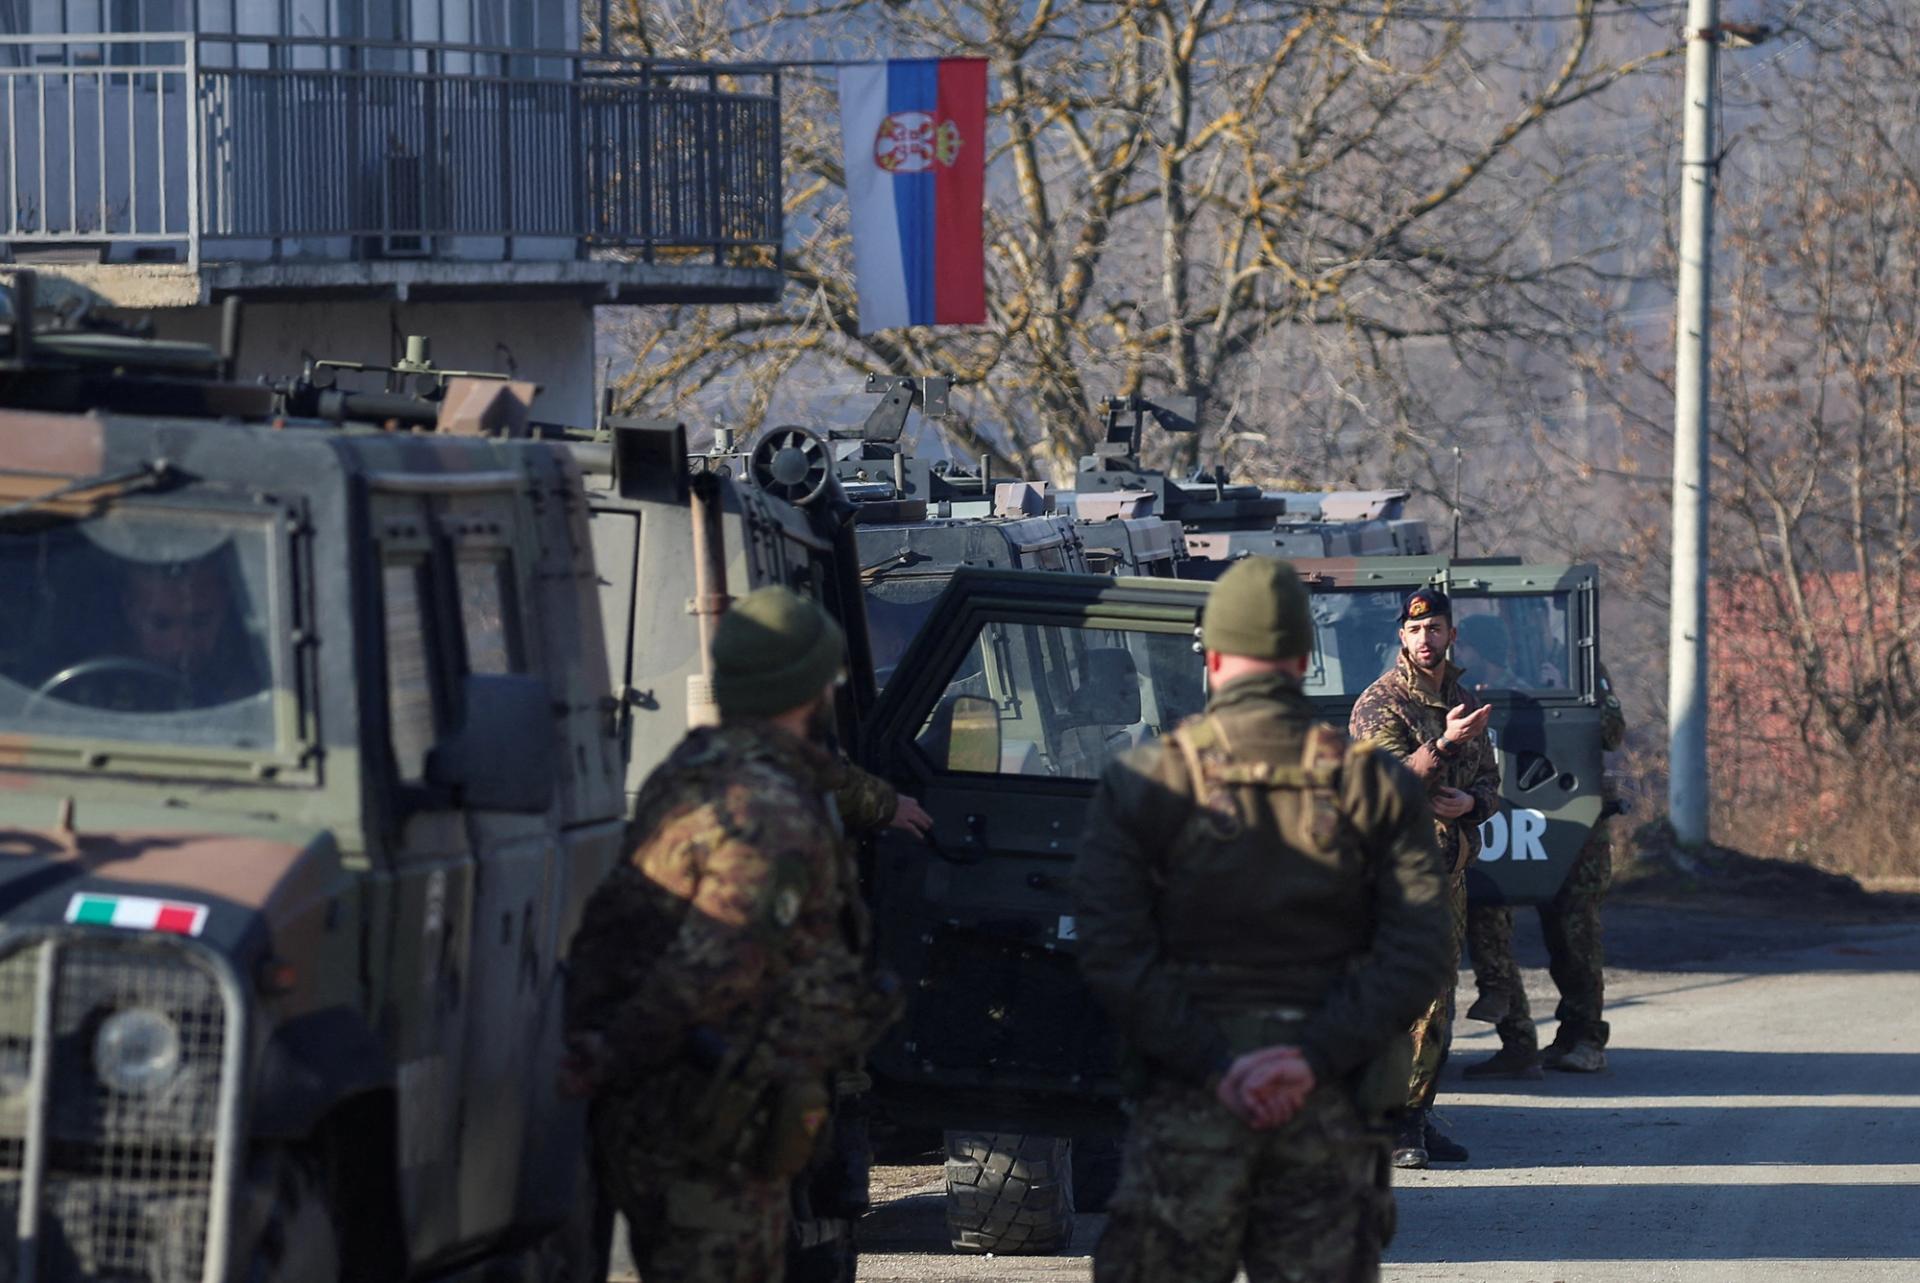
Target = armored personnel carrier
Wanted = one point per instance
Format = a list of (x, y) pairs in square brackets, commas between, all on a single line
[(281, 927), (1223, 521)]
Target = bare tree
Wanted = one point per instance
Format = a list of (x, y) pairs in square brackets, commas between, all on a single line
[(1816, 446), (1332, 221)]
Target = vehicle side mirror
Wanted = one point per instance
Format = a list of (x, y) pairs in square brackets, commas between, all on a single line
[(1109, 693), (500, 759), (975, 741)]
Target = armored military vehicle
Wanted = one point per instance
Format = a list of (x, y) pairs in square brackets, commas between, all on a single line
[(1014, 695), (280, 924), (1223, 521)]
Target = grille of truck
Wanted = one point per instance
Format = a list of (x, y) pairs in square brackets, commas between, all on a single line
[(114, 1133)]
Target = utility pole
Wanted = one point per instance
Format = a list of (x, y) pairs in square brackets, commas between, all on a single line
[(1687, 792)]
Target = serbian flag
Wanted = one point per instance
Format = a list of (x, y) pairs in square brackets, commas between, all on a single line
[(915, 134)]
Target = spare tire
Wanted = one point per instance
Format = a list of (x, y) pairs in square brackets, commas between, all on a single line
[(1009, 1194)]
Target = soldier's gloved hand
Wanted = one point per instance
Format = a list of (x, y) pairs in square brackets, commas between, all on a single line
[(583, 1067)]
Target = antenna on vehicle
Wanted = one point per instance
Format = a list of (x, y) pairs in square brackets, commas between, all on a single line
[(1456, 503)]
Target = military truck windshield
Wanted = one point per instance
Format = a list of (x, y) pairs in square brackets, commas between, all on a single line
[(1050, 700), (1519, 642), (138, 625)]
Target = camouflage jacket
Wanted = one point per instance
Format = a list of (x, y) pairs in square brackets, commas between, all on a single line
[(1256, 860), (865, 801), (737, 915), (1399, 714)]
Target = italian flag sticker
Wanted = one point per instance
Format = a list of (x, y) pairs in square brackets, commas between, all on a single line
[(137, 913)]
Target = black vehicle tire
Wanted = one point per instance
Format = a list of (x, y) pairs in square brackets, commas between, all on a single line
[(291, 1232), (1009, 1194)]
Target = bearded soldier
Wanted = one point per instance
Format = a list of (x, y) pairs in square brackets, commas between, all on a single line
[(1419, 712), (1259, 908), (718, 979)]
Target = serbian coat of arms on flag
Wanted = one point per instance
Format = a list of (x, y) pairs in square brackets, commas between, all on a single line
[(915, 134)]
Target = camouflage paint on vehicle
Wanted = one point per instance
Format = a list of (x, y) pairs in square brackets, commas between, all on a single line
[(374, 981)]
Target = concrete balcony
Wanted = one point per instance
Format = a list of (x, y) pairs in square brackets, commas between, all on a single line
[(168, 169)]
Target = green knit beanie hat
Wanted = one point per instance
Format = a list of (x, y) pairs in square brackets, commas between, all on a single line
[(772, 651), (1258, 609)]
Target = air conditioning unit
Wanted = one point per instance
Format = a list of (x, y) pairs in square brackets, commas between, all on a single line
[(403, 201)]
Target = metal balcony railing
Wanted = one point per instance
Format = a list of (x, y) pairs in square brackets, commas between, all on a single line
[(233, 146)]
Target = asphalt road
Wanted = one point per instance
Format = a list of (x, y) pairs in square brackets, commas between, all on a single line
[(1759, 1120)]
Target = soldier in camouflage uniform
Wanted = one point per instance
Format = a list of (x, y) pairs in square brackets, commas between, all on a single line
[(1259, 908), (719, 979), (1419, 712), (1570, 923)]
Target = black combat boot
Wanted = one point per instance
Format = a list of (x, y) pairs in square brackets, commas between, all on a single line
[(1442, 1148), (1577, 1050), (1410, 1139)]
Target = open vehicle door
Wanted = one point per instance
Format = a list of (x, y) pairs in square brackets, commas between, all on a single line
[(1527, 640), (1000, 718)]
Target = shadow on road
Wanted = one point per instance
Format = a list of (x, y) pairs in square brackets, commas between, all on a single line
[(1658, 1223), (1685, 1071)]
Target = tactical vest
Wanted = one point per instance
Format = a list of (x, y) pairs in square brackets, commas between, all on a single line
[(1264, 894), (1213, 776)]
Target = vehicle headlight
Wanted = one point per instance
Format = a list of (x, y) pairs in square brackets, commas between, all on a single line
[(137, 1051)]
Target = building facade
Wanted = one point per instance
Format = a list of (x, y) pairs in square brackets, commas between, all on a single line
[(363, 169)]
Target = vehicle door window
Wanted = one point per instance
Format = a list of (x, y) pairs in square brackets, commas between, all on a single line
[(1519, 642), (1356, 637), (1058, 701), (486, 615), (896, 607), (410, 685)]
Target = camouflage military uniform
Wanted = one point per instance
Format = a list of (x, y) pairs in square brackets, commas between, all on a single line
[(722, 965), (1256, 881), (1400, 714), (1570, 923), (865, 801)]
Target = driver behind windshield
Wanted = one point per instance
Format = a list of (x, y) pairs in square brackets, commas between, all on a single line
[(180, 618)]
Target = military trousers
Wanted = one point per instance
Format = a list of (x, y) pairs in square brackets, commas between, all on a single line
[(687, 1222), (1576, 958), (1433, 1030), (1202, 1195)]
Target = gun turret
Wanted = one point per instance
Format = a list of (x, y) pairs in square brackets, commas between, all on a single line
[(1225, 520)]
